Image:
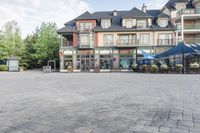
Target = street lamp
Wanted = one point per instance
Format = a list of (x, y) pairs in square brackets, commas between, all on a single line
[(110, 55), (183, 58)]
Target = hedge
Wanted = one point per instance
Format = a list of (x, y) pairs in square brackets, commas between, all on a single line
[(3, 68)]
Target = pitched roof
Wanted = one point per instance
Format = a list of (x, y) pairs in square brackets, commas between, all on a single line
[(163, 15), (170, 3), (153, 13), (85, 15), (116, 24), (69, 27), (136, 13)]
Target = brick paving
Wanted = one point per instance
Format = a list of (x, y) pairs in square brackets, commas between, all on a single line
[(33, 102)]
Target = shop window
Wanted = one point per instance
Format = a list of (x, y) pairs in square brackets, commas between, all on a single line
[(126, 61), (105, 62)]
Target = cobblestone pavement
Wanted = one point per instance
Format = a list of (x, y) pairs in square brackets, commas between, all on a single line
[(33, 102)]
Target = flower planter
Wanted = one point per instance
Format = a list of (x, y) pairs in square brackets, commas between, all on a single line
[(96, 69)]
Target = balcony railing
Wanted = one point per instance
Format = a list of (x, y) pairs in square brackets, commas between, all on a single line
[(108, 43), (192, 40), (188, 26), (127, 42), (187, 11), (192, 26), (165, 42), (68, 44), (85, 45)]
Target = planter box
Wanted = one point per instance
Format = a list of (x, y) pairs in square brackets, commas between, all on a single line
[(96, 69), (70, 70)]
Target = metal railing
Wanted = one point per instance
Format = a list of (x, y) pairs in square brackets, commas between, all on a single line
[(165, 42), (108, 43), (192, 40), (187, 11), (127, 42), (67, 44), (188, 26), (192, 26), (86, 45)]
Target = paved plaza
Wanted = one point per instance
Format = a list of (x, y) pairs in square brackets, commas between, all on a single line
[(34, 102)]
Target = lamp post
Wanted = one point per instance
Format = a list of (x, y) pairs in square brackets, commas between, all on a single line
[(183, 58), (110, 55)]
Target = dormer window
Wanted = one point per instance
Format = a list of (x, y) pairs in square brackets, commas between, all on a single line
[(163, 22), (180, 6), (115, 13), (129, 23), (105, 23), (141, 24)]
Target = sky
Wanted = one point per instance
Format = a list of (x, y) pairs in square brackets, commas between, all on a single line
[(31, 13)]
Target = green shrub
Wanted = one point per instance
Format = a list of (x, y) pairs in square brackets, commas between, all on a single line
[(179, 66), (163, 67), (194, 65), (145, 68), (154, 69), (134, 67), (3, 68)]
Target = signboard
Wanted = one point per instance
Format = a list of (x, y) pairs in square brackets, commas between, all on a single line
[(13, 65), (85, 52), (126, 51), (105, 51), (68, 52)]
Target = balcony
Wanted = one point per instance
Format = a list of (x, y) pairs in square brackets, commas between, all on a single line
[(192, 26), (85, 45), (187, 12), (108, 43), (192, 40), (162, 42), (189, 28), (127, 42), (67, 44)]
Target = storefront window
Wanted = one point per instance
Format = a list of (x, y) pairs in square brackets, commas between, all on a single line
[(126, 61), (85, 62), (105, 62), (68, 62)]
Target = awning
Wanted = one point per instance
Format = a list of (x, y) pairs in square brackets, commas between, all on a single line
[(179, 49), (147, 56)]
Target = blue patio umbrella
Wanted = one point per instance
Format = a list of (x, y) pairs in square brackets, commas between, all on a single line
[(180, 49), (147, 56)]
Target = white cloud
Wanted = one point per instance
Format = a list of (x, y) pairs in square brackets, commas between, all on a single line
[(31, 13)]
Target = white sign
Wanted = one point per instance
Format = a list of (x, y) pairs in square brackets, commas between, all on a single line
[(68, 52), (105, 51)]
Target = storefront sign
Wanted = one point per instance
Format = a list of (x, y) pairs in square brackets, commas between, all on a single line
[(105, 51), (126, 51), (85, 52), (68, 52)]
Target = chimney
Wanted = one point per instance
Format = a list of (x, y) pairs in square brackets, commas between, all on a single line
[(144, 8)]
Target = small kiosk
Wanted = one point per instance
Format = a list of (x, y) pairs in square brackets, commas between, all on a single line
[(13, 64)]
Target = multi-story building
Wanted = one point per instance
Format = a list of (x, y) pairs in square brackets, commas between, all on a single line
[(114, 39)]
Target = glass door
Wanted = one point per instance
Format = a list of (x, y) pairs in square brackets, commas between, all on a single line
[(86, 63)]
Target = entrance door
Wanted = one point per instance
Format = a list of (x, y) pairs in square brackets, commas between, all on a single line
[(85, 65)]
